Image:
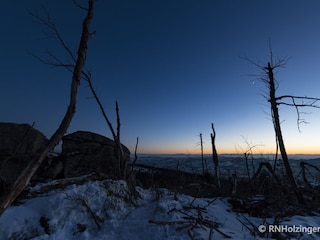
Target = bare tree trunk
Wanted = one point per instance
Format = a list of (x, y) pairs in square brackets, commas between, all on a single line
[(24, 179), (202, 159), (288, 100), (119, 167), (215, 157), (122, 162), (135, 155), (277, 128), (88, 78)]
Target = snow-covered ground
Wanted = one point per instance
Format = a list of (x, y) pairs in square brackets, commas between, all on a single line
[(105, 210)]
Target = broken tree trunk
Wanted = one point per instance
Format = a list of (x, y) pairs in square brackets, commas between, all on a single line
[(204, 168), (215, 157)]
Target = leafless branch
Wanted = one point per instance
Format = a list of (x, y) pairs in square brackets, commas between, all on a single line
[(279, 62), (293, 104), (94, 216), (48, 23), (79, 6), (299, 97), (275, 63), (256, 62), (292, 101), (118, 122), (101, 107), (56, 62)]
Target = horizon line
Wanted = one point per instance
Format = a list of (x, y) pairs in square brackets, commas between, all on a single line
[(226, 154)]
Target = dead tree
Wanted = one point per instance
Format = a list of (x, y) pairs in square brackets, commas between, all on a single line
[(135, 155), (120, 166), (24, 179), (215, 157), (276, 122), (295, 101), (204, 164)]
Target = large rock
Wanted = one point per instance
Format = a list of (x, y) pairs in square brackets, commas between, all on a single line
[(19, 143), (86, 152)]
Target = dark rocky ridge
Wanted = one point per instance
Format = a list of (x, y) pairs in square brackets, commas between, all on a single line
[(82, 153)]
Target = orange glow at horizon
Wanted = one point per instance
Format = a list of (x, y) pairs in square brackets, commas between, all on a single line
[(290, 150)]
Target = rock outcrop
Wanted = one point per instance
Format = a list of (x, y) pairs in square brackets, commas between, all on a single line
[(19, 143), (82, 153), (86, 152)]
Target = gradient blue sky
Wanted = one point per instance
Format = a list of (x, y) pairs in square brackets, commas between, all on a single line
[(174, 68)]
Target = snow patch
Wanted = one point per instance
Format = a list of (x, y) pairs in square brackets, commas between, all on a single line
[(105, 210)]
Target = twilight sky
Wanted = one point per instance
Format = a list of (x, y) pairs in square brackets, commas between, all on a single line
[(173, 66)]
